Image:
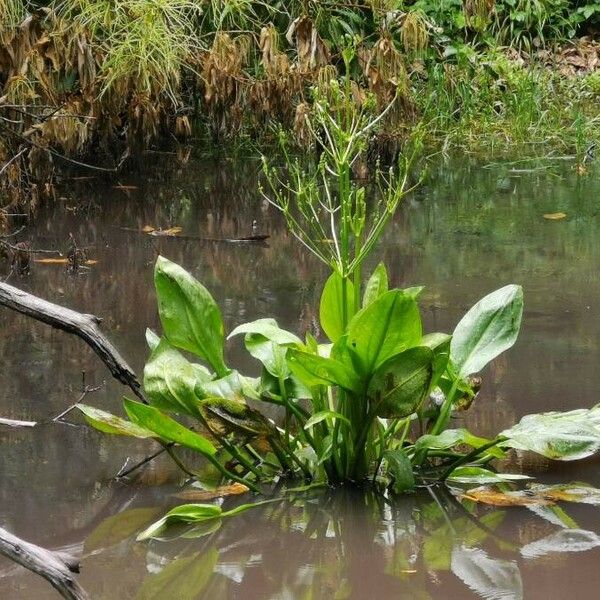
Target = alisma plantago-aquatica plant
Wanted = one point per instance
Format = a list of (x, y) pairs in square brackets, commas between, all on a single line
[(371, 403)]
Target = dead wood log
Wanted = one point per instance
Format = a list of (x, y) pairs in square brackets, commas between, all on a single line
[(83, 325), (56, 568)]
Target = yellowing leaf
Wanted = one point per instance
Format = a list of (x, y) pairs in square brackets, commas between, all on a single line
[(486, 495), (167, 232), (147, 229), (226, 490), (557, 216)]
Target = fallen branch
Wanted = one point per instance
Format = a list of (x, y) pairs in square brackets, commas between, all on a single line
[(56, 568), (82, 325)]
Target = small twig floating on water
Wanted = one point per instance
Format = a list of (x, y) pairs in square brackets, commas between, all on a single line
[(174, 233), (56, 568), (17, 423)]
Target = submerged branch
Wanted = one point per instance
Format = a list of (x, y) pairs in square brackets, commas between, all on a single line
[(52, 566)]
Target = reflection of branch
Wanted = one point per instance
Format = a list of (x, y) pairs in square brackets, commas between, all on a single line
[(56, 568)]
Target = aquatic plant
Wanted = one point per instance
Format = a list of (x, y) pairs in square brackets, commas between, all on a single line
[(375, 401)]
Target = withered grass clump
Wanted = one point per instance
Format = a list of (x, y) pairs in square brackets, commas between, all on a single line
[(82, 72)]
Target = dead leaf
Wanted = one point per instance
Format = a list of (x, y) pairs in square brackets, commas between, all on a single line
[(167, 232), (571, 492), (227, 490), (61, 261), (557, 216), (148, 229)]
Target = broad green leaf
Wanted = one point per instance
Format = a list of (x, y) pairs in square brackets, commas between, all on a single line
[(197, 513), (271, 354), (317, 370), (152, 339), (376, 285), (268, 343), (170, 380), (231, 386), (489, 328), (414, 292), (186, 513), (183, 579), (190, 318), (386, 327), (294, 387), (400, 468), (165, 427), (452, 437), (561, 436), (325, 415), (331, 307), (481, 476), (267, 328), (109, 423), (400, 384)]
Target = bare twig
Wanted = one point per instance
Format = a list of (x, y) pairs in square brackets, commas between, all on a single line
[(12, 160)]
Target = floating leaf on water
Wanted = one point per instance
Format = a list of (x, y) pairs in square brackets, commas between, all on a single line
[(225, 490), (488, 495), (186, 513), (147, 229), (166, 232), (571, 492), (61, 261), (565, 436), (557, 216), (565, 540), (535, 494), (482, 476)]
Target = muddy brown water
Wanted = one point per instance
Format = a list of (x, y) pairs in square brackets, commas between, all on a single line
[(462, 234)]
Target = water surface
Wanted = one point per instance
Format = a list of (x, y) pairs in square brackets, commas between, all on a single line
[(462, 234)]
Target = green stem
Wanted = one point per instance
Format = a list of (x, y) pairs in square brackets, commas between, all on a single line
[(469, 457), (230, 474)]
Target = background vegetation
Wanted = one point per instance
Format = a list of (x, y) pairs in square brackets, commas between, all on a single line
[(78, 76)]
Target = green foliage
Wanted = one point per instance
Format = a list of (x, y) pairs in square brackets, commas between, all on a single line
[(489, 328), (190, 318), (360, 408)]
